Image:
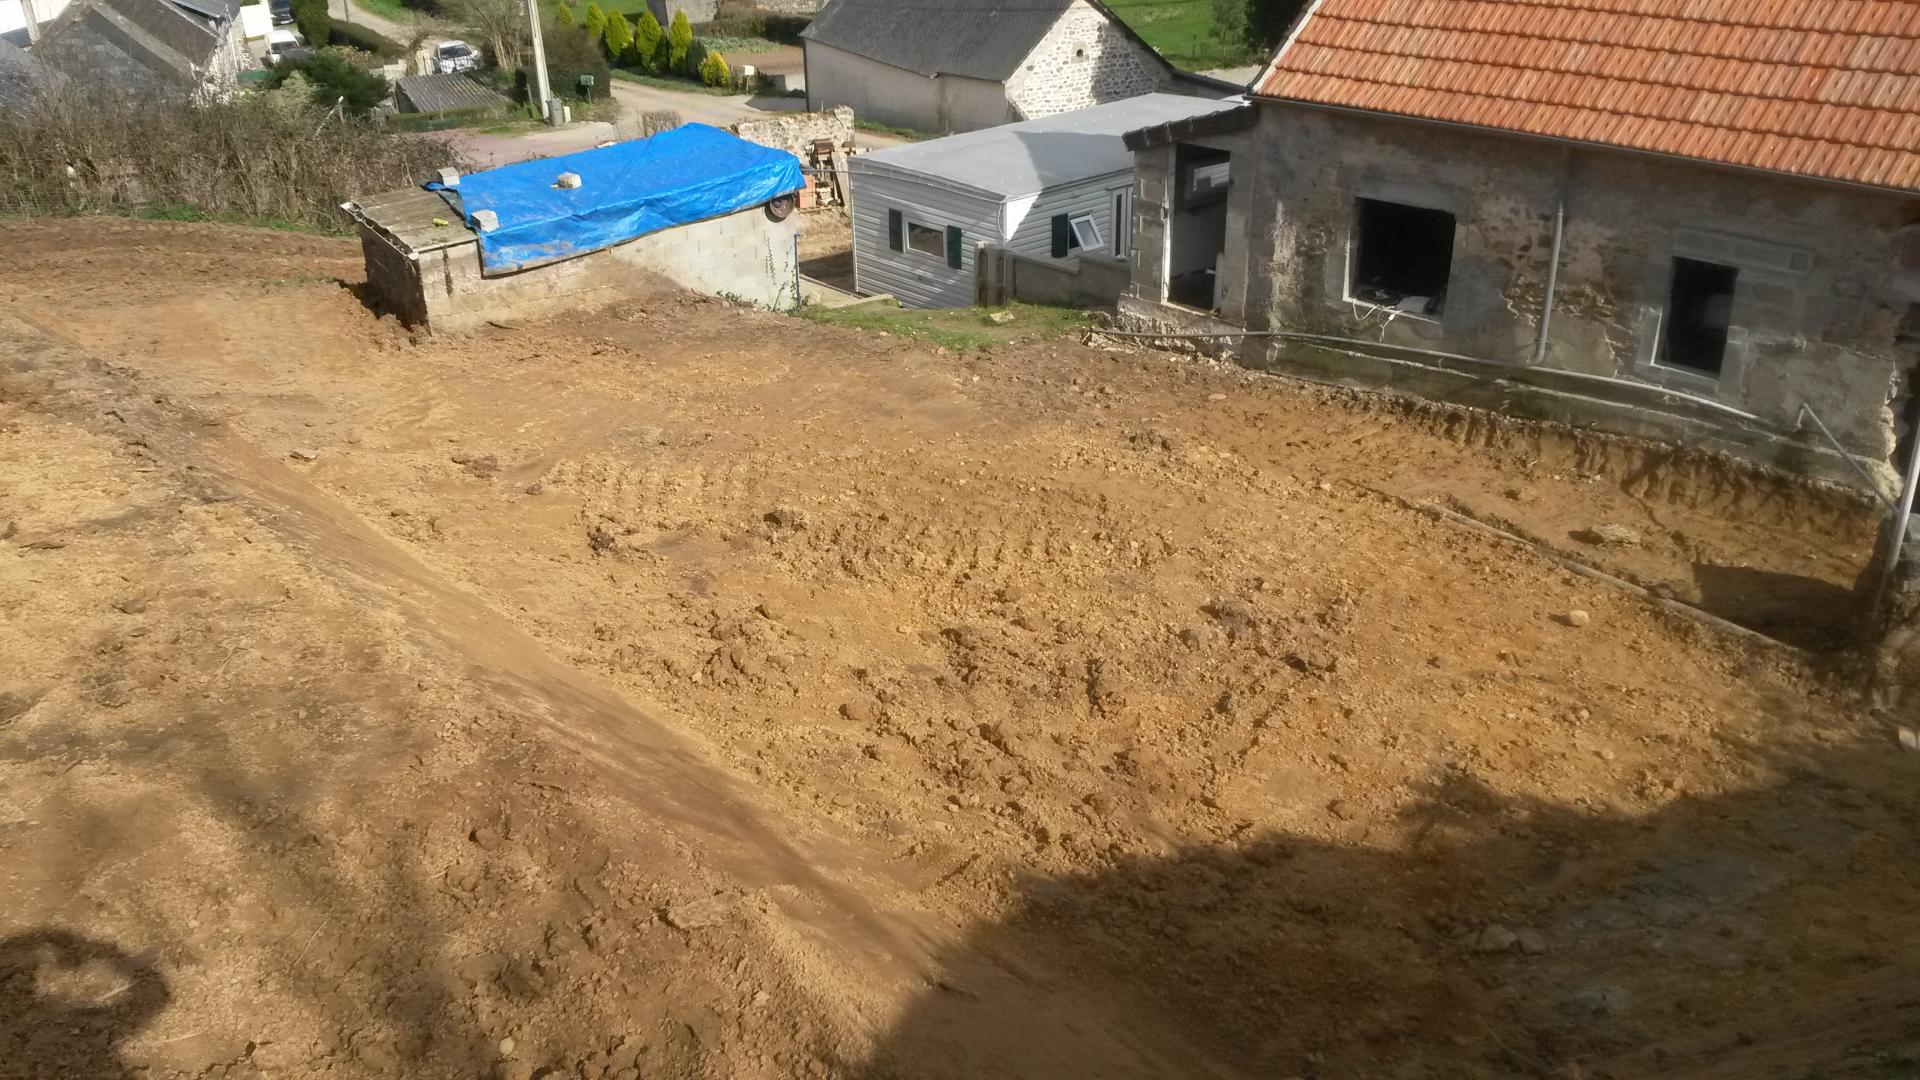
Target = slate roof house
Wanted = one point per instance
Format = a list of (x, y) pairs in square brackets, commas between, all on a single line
[(1688, 219), (959, 65), (150, 47), (20, 77)]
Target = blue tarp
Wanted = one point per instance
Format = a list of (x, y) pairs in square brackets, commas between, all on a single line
[(690, 173)]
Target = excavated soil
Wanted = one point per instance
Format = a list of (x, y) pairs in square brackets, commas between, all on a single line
[(681, 690)]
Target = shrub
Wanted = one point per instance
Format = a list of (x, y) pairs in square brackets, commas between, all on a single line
[(648, 40), (315, 24), (259, 157), (337, 81), (619, 36), (360, 36), (679, 41), (564, 16), (596, 20), (715, 71), (571, 53)]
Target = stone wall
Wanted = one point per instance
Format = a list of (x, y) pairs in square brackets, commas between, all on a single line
[(698, 11), (1820, 294), (745, 256), (795, 132), (1085, 60)]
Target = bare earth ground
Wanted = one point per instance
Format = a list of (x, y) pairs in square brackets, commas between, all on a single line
[(688, 691)]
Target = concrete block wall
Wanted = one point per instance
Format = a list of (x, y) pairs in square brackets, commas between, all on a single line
[(1821, 290), (1086, 282), (744, 256), (1084, 61)]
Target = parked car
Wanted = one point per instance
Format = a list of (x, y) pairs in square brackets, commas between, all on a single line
[(282, 12), (285, 45), (452, 56)]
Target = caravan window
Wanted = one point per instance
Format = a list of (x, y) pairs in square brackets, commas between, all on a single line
[(926, 240), (1086, 233)]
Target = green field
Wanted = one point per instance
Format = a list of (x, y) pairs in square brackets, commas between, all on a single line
[(1183, 31)]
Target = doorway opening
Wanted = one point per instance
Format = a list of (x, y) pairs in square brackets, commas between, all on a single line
[(1197, 236)]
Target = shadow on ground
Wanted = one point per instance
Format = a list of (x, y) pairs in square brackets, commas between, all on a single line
[(68, 1001), (1801, 611), (1476, 935)]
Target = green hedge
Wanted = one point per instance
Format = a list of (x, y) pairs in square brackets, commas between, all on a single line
[(454, 118), (773, 26), (361, 37)]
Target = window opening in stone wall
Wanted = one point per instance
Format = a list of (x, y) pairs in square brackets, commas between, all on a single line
[(1402, 256), (1905, 406), (928, 241), (1693, 334), (1122, 222), (1197, 228)]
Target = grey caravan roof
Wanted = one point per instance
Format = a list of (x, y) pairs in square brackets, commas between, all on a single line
[(1033, 155)]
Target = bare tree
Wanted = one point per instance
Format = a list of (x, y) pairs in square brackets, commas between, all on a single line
[(502, 24)]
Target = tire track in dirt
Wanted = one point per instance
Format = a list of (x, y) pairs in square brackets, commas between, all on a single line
[(883, 960)]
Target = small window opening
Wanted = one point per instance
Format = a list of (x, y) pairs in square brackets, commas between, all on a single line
[(1080, 54), (1402, 256), (1121, 222), (1086, 233), (1207, 177), (1699, 312), (926, 240)]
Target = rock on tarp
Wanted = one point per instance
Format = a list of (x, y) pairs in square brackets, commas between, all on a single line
[(629, 189)]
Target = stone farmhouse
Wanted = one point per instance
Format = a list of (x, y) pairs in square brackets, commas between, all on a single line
[(1697, 221), (150, 48), (961, 65)]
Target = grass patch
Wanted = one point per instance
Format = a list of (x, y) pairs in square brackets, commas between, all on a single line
[(684, 86), (387, 9), (1184, 32), (955, 328), (728, 46), (903, 134)]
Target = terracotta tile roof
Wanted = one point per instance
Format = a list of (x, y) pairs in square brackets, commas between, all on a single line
[(1823, 88)]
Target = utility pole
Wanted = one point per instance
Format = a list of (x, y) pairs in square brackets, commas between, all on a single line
[(541, 92)]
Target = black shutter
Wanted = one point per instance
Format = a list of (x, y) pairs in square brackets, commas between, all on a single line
[(1062, 236), (896, 229), (953, 246)]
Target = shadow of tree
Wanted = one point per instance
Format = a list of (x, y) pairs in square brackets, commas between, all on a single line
[(68, 1001), (1478, 935)]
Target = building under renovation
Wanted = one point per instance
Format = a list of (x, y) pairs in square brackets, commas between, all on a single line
[(694, 206), (1699, 223)]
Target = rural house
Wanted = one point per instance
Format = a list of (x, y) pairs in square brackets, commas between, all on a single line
[(1694, 221), (150, 47), (1055, 189), (967, 64)]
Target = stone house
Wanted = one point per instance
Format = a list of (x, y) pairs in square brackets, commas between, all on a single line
[(194, 48), (1644, 223), (968, 64)]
